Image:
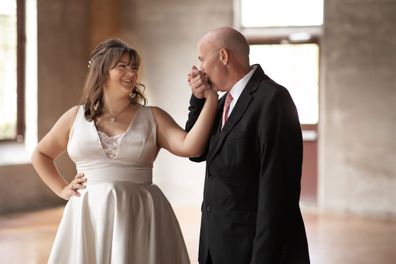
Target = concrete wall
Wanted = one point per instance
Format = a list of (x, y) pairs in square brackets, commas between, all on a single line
[(357, 98), (165, 34), (62, 61), (358, 92), (357, 151), (104, 18)]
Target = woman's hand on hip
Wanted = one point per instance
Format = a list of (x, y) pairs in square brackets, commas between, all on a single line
[(78, 183)]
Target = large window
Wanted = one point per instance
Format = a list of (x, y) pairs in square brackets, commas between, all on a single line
[(295, 66), (11, 70), (281, 13), (284, 37)]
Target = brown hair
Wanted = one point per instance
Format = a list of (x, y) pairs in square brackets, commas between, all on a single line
[(104, 58)]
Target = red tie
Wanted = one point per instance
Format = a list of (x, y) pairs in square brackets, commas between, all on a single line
[(226, 109)]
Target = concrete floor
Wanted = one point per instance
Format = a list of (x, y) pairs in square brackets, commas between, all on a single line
[(343, 239)]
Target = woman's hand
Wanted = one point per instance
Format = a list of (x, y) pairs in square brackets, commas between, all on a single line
[(198, 82), (72, 188)]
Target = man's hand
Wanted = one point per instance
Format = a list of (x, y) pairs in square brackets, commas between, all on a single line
[(198, 82)]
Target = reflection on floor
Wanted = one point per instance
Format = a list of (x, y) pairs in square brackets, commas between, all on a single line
[(27, 238)]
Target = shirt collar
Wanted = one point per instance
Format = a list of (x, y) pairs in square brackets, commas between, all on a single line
[(238, 87)]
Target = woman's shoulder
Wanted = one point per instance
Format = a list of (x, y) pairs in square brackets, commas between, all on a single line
[(161, 117), (65, 123), (158, 112), (70, 115), (154, 109), (73, 111)]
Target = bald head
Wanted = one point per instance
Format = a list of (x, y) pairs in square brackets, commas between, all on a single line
[(224, 57), (228, 38)]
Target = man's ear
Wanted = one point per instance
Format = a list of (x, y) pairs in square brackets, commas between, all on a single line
[(224, 56)]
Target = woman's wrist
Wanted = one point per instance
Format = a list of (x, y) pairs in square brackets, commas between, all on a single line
[(210, 94)]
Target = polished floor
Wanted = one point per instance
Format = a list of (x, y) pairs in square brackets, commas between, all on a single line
[(26, 238)]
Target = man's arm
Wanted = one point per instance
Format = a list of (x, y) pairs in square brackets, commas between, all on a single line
[(195, 109), (280, 171), (198, 82)]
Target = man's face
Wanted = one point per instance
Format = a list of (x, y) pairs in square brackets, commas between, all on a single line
[(210, 64)]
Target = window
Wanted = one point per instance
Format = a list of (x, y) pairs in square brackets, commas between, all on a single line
[(284, 39), (295, 66), (281, 13), (12, 70)]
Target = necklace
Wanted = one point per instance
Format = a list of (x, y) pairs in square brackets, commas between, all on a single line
[(113, 118)]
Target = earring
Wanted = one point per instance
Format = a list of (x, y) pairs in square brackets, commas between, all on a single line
[(132, 95)]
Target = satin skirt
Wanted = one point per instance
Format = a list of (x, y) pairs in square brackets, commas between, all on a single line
[(119, 221)]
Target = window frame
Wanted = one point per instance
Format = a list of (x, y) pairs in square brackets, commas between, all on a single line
[(275, 35), (20, 74), (280, 35), (21, 44)]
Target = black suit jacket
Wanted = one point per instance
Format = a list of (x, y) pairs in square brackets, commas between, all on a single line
[(250, 209)]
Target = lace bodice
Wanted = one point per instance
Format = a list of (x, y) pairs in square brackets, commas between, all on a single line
[(92, 150), (110, 144)]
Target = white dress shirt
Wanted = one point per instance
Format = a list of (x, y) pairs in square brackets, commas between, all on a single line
[(238, 87)]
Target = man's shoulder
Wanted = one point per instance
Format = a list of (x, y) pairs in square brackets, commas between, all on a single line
[(269, 92), (268, 87), (264, 83)]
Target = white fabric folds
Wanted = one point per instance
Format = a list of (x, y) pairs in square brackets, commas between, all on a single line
[(121, 217)]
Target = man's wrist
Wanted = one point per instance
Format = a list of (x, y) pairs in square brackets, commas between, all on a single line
[(197, 102)]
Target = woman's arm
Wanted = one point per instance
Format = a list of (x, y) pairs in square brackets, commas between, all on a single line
[(48, 149), (173, 138)]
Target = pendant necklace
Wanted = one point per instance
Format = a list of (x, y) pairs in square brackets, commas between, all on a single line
[(114, 118)]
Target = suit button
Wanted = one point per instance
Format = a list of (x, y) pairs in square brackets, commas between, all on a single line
[(208, 208), (210, 178)]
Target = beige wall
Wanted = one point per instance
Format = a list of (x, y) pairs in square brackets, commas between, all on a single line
[(62, 61), (104, 21), (358, 99), (165, 33), (358, 92)]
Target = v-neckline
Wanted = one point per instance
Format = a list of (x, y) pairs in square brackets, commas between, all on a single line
[(122, 134)]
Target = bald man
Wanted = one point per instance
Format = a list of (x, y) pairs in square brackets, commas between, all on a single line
[(250, 209)]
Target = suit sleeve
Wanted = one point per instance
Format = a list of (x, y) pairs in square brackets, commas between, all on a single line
[(195, 109), (279, 179)]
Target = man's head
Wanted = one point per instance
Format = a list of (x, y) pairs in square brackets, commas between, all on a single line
[(224, 56)]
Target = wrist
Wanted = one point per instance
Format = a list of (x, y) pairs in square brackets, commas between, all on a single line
[(211, 95), (195, 101)]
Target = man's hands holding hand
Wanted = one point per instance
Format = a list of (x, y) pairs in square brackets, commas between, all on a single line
[(199, 83)]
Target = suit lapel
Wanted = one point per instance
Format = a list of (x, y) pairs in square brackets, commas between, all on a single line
[(236, 114), (217, 122)]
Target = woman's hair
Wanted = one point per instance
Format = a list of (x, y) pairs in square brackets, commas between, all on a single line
[(104, 58)]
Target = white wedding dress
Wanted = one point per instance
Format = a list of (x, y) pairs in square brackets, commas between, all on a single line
[(121, 217)]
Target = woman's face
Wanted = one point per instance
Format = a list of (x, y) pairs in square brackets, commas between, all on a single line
[(122, 77)]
